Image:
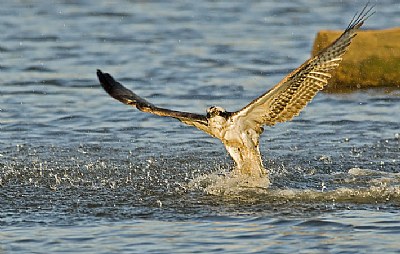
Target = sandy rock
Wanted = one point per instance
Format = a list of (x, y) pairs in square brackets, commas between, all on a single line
[(373, 60)]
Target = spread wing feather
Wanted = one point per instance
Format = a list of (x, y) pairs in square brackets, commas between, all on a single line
[(126, 96), (291, 95)]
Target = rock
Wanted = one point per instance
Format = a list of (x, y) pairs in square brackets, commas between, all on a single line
[(373, 60)]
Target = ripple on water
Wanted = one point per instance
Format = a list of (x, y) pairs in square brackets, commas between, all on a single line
[(78, 171)]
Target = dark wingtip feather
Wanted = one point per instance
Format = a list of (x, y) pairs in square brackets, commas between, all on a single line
[(119, 92), (112, 87), (105, 80), (358, 19), (100, 75)]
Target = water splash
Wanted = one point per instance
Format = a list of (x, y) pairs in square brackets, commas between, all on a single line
[(356, 186), (221, 183)]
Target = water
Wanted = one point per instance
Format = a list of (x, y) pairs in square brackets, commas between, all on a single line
[(80, 172)]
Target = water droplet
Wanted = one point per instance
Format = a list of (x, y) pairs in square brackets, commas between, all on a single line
[(323, 187)]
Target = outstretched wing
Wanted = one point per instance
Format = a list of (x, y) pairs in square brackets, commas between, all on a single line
[(291, 95), (126, 96)]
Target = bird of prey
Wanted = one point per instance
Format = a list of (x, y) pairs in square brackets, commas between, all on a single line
[(240, 131)]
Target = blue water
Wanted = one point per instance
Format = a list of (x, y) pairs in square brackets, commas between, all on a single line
[(83, 173)]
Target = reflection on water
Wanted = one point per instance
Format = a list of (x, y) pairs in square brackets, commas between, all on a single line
[(80, 171)]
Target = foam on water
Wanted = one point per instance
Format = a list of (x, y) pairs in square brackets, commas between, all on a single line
[(372, 187), (220, 183)]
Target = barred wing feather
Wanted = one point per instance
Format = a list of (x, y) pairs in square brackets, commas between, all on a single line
[(291, 95)]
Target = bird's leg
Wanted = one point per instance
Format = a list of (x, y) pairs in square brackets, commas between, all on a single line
[(248, 161), (252, 165)]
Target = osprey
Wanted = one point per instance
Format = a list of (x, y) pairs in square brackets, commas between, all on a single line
[(240, 131)]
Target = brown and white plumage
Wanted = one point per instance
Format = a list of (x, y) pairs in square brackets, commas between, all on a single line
[(291, 95), (240, 131)]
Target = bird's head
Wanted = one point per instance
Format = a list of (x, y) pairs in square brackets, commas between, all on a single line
[(216, 111)]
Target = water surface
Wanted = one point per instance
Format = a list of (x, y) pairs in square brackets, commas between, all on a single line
[(80, 172)]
